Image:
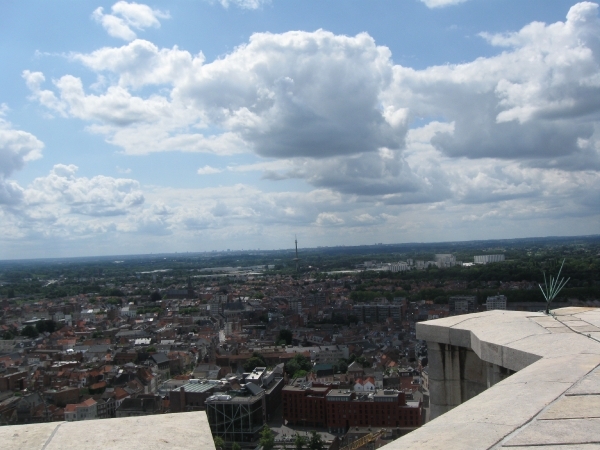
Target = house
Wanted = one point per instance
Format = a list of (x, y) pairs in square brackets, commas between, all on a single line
[(355, 370), (365, 385), (86, 410)]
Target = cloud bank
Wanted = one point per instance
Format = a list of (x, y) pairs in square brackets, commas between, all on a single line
[(379, 146)]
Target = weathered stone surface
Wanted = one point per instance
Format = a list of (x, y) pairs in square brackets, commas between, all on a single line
[(539, 406), (586, 328), (557, 432), (444, 436), (563, 369), (26, 436), (573, 407), (556, 447), (184, 431), (590, 385)]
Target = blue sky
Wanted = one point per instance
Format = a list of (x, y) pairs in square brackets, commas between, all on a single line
[(199, 125)]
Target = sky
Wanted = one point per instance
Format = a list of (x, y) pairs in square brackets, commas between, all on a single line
[(188, 126)]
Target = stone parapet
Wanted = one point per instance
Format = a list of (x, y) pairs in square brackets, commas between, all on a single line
[(508, 379), (183, 431)]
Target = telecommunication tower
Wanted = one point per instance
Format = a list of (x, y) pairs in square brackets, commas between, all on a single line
[(296, 258)]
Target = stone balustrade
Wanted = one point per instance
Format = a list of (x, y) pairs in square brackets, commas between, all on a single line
[(183, 431), (509, 379)]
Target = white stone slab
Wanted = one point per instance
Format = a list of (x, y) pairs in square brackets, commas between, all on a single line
[(183, 431), (573, 407), (26, 437), (590, 385), (558, 432), (439, 435)]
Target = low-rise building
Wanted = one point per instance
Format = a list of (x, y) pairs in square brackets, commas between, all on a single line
[(496, 302), (192, 395), (462, 304), (86, 410)]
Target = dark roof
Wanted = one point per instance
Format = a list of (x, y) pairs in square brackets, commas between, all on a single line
[(159, 358), (253, 388), (139, 404)]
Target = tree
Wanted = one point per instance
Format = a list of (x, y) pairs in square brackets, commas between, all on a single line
[(30, 331), (363, 362), (236, 446), (46, 325), (297, 363), (7, 335), (257, 360), (315, 442), (300, 442), (219, 443), (267, 439), (155, 296), (286, 336)]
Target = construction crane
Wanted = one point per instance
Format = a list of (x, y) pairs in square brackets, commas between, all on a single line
[(361, 442)]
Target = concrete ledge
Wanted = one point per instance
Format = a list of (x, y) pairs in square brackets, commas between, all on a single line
[(542, 404), (184, 431)]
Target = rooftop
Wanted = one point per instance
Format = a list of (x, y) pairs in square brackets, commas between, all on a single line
[(553, 399), (197, 386)]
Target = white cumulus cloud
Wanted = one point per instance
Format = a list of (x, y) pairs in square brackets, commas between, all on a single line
[(17, 147), (441, 3), (128, 16), (208, 170), (244, 4), (96, 196)]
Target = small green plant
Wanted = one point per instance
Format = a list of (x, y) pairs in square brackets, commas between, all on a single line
[(553, 288), (300, 442), (219, 443), (267, 438)]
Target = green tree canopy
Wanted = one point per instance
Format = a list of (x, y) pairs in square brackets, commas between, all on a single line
[(46, 325), (257, 360), (285, 336), (219, 443), (315, 442), (267, 439), (30, 331), (300, 442), (297, 363)]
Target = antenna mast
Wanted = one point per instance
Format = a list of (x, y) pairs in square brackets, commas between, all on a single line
[(296, 258)]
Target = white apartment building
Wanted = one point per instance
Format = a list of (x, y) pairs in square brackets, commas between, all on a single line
[(496, 302), (445, 260), (399, 267), (485, 259)]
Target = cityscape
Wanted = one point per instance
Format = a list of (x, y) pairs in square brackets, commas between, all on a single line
[(298, 341)]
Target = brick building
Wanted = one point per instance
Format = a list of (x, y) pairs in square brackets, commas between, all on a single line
[(305, 405), (383, 408), (325, 406)]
